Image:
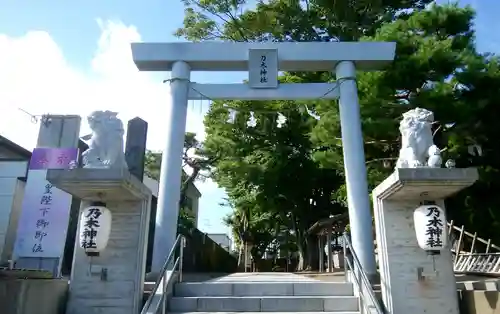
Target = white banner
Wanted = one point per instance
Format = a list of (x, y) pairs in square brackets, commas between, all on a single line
[(43, 223)]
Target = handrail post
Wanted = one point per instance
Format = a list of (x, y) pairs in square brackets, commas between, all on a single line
[(181, 257), (360, 280), (161, 284), (164, 292), (344, 247)]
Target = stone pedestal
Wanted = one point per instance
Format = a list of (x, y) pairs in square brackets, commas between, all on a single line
[(113, 281), (410, 283)]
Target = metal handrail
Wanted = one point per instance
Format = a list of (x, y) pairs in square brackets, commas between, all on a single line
[(364, 279), (163, 276), (479, 254)]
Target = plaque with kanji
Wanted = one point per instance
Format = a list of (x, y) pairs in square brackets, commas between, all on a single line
[(263, 68)]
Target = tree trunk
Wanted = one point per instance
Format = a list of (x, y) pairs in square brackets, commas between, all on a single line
[(300, 250), (312, 253), (185, 185), (308, 254), (307, 246), (300, 245), (241, 260)]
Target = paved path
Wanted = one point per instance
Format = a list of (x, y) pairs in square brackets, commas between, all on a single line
[(249, 277), (463, 281)]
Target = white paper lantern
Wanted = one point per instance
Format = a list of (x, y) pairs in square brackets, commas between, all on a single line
[(431, 228), (95, 227)]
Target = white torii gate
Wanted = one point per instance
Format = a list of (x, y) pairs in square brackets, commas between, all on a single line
[(342, 57)]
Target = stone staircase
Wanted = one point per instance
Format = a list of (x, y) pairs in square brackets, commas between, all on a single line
[(258, 292)]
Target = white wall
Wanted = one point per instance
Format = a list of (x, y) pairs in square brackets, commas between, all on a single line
[(11, 196)]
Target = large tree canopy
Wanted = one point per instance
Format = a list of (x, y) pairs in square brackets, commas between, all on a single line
[(296, 172)]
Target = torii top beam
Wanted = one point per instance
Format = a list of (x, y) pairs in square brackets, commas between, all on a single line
[(233, 56)]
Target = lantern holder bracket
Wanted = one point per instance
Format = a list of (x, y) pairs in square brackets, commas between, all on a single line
[(427, 202), (422, 275), (98, 270)]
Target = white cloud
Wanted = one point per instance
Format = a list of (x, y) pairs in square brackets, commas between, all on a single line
[(35, 76)]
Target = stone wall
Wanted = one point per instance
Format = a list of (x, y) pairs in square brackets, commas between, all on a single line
[(479, 302), (33, 296)]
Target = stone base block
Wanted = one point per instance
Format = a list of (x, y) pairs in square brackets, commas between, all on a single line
[(430, 183)]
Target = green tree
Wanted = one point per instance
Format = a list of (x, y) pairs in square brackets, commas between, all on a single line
[(432, 47), (269, 171), (249, 227), (437, 67), (299, 20)]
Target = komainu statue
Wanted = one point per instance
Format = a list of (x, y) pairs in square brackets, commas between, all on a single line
[(106, 141), (417, 144)]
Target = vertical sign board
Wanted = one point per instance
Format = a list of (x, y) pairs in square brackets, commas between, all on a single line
[(43, 223), (263, 68)]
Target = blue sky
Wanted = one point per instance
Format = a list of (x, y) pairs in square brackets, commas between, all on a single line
[(69, 55)]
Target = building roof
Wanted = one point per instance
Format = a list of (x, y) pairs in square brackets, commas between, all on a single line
[(335, 223), (193, 188), (13, 147), (23, 152)]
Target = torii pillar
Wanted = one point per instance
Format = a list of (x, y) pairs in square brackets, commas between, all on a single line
[(342, 57)]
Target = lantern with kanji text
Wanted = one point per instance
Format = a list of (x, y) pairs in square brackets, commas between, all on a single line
[(95, 227), (431, 228)]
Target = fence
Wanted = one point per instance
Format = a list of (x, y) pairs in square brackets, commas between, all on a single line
[(202, 254), (465, 247)]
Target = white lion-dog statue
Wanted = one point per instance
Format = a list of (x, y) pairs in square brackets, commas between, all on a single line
[(105, 142), (417, 143)]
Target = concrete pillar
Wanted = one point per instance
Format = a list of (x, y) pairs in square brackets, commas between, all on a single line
[(167, 211), (360, 217), (59, 131), (112, 282), (135, 147), (412, 282)]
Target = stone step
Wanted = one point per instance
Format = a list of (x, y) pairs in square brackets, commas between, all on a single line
[(265, 304), (356, 312), (250, 289), (149, 285)]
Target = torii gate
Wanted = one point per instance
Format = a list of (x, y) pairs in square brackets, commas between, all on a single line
[(342, 57)]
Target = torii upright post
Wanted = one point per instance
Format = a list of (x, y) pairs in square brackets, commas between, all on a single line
[(342, 57)]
